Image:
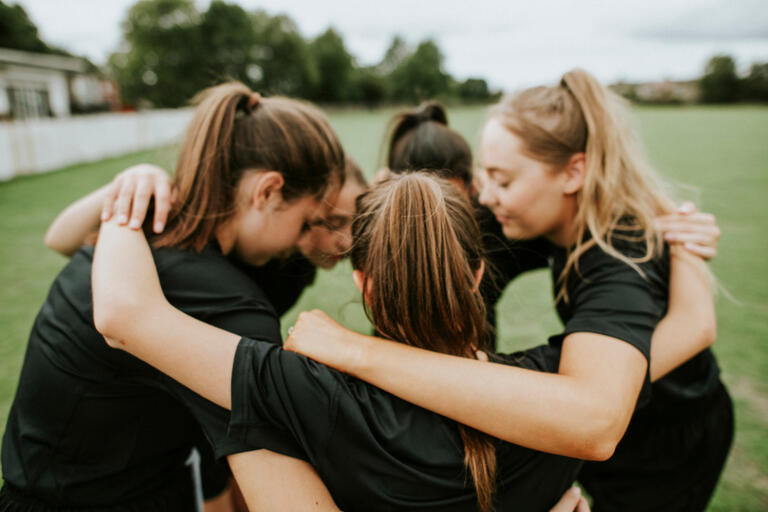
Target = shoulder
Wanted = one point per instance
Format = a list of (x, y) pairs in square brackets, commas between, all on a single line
[(207, 270)]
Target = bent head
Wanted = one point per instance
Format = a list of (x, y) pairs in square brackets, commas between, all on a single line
[(327, 242), (252, 173), (417, 253), (418, 259), (562, 162), (422, 141)]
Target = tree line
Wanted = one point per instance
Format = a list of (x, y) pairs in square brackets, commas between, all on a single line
[(171, 50)]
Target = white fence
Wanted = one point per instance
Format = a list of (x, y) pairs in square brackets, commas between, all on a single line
[(40, 145)]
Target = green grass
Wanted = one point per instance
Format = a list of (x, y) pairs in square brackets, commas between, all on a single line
[(722, 151)]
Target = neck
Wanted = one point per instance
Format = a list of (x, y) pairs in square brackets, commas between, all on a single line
[(566, 232), (226, 236)]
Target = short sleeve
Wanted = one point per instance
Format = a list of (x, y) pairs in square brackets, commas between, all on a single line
[(611, 298), (282, 401)]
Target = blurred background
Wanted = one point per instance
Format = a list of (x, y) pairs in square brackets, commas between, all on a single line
[(89, 87)]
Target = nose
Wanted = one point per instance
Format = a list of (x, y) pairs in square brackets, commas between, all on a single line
[(487, 195)]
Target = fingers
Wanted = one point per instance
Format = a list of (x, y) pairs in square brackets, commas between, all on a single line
[(703, 238), (141, 197), (125, 198), (110, 196), (686, 208), (690, 219), (703, 251), (570, 501), (163, 201)]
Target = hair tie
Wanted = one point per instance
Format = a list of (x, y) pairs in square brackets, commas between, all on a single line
[(253, 100)]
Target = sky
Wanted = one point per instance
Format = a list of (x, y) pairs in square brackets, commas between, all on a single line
[(511, 44)]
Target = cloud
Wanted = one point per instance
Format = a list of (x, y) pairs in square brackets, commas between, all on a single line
[(719, 20)]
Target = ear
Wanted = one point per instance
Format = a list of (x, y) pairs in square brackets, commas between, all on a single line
[(266, 189), (479, 275), (575, 172)]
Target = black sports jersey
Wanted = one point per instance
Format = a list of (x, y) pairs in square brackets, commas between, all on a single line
[(607, 296), (283, 279), (374, 451), (94, 426), (504, 260)]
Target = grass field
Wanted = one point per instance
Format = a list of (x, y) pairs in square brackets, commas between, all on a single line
[(722, 151)]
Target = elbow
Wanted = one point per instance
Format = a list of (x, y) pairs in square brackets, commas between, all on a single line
[(708, 331), (603, 433), (113, 316), (52, 242)]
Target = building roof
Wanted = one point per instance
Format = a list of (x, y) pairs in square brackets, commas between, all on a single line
[(41, 60)]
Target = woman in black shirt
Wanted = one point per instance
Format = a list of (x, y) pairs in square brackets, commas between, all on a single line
[(92, 428), (559, 163), (418, 259)]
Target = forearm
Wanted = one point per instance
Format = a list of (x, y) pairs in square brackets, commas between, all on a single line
[(129, 307), (73, 225), (561, 414), (689, 325)]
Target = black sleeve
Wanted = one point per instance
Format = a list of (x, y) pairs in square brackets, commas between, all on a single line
[(613, 299), (282, 401), (209, 288)]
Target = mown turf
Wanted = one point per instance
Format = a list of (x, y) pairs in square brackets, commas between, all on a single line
[(722, 151)]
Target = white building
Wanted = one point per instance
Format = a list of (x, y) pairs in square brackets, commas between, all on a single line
[(34, 85)]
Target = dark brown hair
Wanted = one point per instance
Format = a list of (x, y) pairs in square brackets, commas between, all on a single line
[(419, 248), (232, 133), (420, 140)]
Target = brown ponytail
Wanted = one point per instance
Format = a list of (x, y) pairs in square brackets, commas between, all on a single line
[(234, 131), (420, 140), (621, 194), (419, 247)]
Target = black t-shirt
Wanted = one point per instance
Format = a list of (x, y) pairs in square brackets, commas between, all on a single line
[(607, 296), (93, 426), (374, 451), (283, 279), (504, 260)]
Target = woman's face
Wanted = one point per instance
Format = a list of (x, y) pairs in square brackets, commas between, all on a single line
[(328, 241), (526, 195), (265, 233)]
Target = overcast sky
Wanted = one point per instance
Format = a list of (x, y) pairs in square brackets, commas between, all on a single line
[(508, 42)]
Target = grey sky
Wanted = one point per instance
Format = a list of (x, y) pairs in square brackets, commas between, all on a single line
[(510, 43)]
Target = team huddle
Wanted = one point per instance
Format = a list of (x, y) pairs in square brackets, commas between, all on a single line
[(162, 333)]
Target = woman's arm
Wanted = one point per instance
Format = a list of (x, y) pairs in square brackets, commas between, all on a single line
[(129, 307), (689, 325), (573, 413), (128, 195), (581, 412), (270, 481)]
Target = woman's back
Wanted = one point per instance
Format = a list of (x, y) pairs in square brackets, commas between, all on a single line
[(374, 451)]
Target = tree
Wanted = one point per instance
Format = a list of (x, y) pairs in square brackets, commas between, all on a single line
[(229, 41), (719, 83), (163, 58), (420, 75), (474, 89), (368, 87), (282, 56), (18, 32), (756, 83), (335, 67)]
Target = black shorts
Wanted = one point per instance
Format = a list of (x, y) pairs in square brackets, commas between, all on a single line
[(672, 464)]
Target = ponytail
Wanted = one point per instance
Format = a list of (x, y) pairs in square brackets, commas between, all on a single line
[(420, 248), (235, 131), (621, 194), (420, 140)]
